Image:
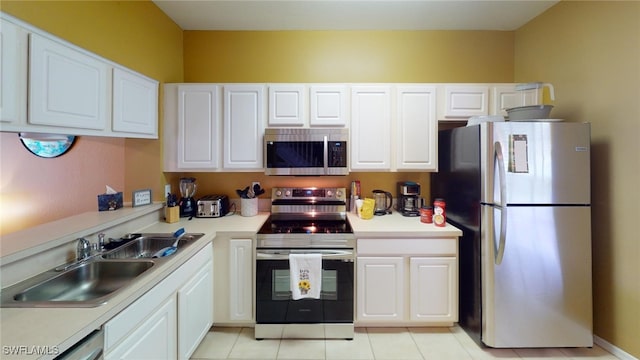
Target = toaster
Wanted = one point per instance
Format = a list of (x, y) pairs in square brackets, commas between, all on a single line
[(212, 206)]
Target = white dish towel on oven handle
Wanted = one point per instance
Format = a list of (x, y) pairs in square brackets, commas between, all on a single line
[(306, 275)]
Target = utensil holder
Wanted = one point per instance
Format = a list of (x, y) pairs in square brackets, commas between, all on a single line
[(249, 207), (172, 214)]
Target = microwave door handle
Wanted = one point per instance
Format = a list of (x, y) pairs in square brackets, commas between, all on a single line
[(325, 157)]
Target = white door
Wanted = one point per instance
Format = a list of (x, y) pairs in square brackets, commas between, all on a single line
[(67, 88), (286, 105), (240, 279), (380, 289), (328, 105), (155, 338), (433, 289), (463, 101), (13, 73), (243, 126), (198, 127), (417, 128), (370, 128), (195, 311), (135, 103)]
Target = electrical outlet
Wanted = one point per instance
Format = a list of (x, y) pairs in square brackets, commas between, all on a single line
[(253, 184), (167, 189)]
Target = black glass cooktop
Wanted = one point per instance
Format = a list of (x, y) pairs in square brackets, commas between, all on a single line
[(305, 227)]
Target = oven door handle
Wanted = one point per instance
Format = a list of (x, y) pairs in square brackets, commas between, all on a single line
[(283, 254)]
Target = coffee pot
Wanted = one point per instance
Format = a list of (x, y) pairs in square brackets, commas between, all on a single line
[(409, 198), (384, 201)]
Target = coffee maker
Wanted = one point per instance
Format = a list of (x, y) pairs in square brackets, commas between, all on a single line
[(409, 198), (187, 202)]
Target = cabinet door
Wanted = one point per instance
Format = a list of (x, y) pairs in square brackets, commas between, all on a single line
[(370, 128), (198, 127), (240, 279), (67, 87), (380, 289), (195, 311), (417, 128), (328, 105), (286, 105), (505, 96), (243, 126), (433, 289), (135, 103), (13, 73), (153, 339), (463, 101)]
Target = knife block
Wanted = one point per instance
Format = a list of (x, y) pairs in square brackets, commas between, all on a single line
[(172, 214)]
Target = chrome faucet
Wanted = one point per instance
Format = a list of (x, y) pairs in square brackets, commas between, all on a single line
[(83, 250)]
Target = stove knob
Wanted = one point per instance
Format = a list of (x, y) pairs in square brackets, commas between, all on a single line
[(329, 193), (287, 193), (278, 193), (338, 194)]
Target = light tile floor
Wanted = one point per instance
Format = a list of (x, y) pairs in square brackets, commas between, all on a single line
[(375, 343)]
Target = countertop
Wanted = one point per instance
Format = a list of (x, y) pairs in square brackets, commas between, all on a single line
[(57, 329), (395, 225)]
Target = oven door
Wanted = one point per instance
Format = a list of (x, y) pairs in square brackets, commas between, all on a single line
[(274, 304)]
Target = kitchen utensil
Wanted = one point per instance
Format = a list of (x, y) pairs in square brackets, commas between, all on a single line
[(383, 202), (173, 248)]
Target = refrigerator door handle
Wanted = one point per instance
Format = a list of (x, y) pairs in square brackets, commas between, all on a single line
[(502, 176)]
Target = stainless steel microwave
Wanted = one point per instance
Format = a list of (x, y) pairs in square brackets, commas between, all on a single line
[(306, 151)]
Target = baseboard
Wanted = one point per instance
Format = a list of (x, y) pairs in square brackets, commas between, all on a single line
[(616, 351)]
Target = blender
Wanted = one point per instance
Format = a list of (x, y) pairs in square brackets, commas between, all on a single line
[(187, 202)]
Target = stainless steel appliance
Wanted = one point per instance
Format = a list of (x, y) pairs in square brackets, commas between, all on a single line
[(305, 221), (520, 192), (213, 206), (89, 348), (384, 202), (409, 198), (306, 151), (187, 202)]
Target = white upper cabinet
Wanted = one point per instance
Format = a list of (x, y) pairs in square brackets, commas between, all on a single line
[(49, 85), (463, 100), (370, 127), (68, 88), (328, 105), (192, 127), (287, 105), (505, 96), (416, 128), (135, 103), (244, 114), (13, 73)]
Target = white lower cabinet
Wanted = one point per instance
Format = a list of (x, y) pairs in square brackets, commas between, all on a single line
[(170, 320), (195, 311), (407, 282), (154, 338), (380, 289), (233, 280)]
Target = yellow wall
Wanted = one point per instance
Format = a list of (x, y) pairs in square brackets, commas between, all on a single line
[(135, 34), (590, 51), (341, 56)]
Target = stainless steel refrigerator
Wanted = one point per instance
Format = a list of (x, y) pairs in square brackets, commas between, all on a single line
[(520, 192)]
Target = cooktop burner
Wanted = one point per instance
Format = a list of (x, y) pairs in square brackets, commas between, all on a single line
[(305, 227)]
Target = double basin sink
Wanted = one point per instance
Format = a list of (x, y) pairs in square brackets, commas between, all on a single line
[(92, 282)]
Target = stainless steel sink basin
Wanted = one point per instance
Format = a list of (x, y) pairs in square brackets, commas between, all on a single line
[(93, 282), (147, 245), (88, 284)]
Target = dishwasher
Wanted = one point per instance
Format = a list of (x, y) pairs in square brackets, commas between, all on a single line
[(89, 348)]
